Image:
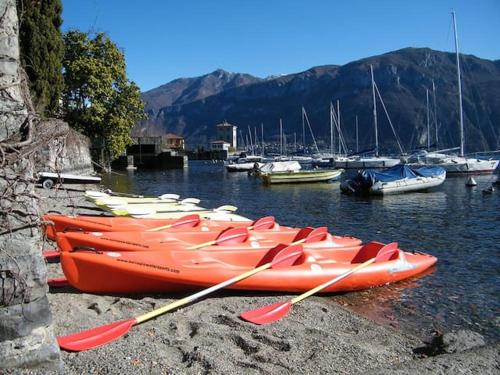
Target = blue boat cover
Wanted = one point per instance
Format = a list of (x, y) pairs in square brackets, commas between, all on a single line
[(369, 177)]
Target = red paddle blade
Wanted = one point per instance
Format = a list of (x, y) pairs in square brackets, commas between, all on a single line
[(187, 221), (51, 254), (317, 234), (95, 337), (387, 252), (58, 283), (267, 314), (303, 233), (264, 223), (286, 257), (232, 236)]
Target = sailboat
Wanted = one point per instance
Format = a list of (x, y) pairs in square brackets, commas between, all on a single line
[(457, 164), (377, 161)]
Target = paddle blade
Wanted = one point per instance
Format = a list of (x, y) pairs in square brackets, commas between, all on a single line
[(282, 256), (58, 283), (51, 255), (173, 197), (267, 314), (226, 208), (95, 337), (317, 234), (187, 221), (264, 223), (232, 236), (190, 201), (303, 233), (387, 252)]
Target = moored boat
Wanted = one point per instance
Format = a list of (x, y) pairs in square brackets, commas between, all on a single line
[(244, 164), (303, 176), (453, 164), (164, 271), (395, 180)]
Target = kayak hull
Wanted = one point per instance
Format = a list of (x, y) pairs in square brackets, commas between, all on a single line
[(62, 223), (168, 271), (179, 240)]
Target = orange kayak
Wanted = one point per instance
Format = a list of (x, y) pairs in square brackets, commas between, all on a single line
[(62, 223), (178, 270), (181, 239)]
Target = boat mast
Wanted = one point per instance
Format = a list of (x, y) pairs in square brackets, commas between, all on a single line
[(338, 119), (331, 129), (262, 136), (281, 137), (374, 112), (459, 87), (435, 112), (252, 148), (303, 130), (428, 122), (357, 143)]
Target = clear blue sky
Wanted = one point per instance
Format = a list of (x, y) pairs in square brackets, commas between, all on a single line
[(164, 40)]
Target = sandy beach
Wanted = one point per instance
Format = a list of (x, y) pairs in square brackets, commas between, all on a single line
[(318, 336)]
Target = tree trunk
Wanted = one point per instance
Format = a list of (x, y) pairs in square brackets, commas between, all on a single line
[(26, 335)]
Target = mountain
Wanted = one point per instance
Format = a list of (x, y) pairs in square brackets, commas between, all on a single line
[(191, 107), (186, 90)]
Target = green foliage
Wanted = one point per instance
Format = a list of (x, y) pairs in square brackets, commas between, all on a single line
[(98, 99), (42, 49)]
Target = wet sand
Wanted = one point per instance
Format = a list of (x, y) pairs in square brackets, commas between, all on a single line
[(318, 336)]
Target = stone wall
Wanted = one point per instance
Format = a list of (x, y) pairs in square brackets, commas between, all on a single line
[(68, 153), (26, 334)]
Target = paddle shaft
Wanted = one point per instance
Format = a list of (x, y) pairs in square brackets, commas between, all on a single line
[(200, 294), (330, 282), (159, 228), (216, 241), (125, 212)]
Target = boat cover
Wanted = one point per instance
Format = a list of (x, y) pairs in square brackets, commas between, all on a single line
[(280, 166), (369, 177)]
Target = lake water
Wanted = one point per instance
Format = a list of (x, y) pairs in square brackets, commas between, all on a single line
[(457, 224)]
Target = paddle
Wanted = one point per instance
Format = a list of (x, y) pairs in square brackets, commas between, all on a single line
[(138, 211), (238, 235), (276, 311), (193, 220), (185, 221), (58, 282), (266, 222), (96, 337), (229, 236), (50, 255)]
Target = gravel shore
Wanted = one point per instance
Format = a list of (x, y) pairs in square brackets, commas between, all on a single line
[(318, 336)]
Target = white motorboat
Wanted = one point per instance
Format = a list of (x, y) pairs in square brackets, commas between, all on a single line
[(244, 164), (454, 164), (395, 180)]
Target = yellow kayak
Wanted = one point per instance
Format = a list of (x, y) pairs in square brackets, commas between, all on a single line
[(223, 213), (98, 196)]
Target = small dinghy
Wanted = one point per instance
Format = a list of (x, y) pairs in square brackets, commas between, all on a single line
[(302, 176), (398, 179)]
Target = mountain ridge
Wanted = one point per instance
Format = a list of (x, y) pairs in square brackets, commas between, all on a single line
[(401, 77)]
